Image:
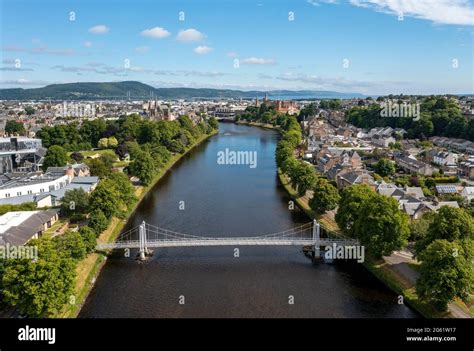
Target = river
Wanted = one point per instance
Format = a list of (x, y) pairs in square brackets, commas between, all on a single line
[(232, 200)]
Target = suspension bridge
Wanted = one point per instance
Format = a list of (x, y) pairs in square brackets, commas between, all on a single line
[(146, 236)]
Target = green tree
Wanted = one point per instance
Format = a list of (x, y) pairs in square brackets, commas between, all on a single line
[(105, 198), (112, 142), (143, 166), (351, 199), (75, 201), (445, 273), (98, 222), (306, 178), (89, 237), (450, 224), (213, 123), (26, 206), (72, 244), (385, 167), (39, 288), (14, 127), (103, 143), (98, 168), (325, 197), (30, 110), (381, 226), (419, 227), (56, 156), (124, 188)]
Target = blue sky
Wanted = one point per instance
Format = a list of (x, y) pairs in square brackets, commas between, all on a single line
[(347, 46)]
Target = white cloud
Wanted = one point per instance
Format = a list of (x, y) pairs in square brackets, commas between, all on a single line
[(257, 61), (142, 49), (457, 12), (99, 29), (317, 2), (202, 49), (157, 33), (88, 44), (189, 35)]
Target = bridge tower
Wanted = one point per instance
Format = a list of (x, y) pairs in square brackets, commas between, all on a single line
[(316, 238), (143, 250)]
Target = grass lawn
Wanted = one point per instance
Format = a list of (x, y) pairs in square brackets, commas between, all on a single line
[(94, 152), (55, 226)]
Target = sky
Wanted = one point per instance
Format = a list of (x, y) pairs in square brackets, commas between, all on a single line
[(371, 47)]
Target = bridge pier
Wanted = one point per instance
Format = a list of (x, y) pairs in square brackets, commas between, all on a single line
[(143, 250), (317, 241)]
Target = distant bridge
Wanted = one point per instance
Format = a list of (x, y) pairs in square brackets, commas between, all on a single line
[(147, 236)]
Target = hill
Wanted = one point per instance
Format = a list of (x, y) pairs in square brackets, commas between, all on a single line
[(137, 90)]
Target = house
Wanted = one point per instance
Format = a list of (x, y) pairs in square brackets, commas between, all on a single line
[(466, 168), (411, 164), (446, 189), (411, 200), (49, 193), (468, 193), (382, 141), (76, 170), (19, 227), (445, 158), (345, 179)]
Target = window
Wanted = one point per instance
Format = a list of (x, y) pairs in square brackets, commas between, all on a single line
[(30, 192), (18, 193), (41, 190), (7, 195)]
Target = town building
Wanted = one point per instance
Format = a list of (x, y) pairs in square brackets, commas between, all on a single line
[(19, 227)]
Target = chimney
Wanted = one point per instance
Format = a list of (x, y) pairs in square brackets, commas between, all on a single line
[(69, 172)]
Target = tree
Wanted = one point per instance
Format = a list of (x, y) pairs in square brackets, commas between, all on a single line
[(42, 287), (30, 110), (55, 157), (105, 198), (98, 168), (450, 224), (26, 206), (74, 201), (103, 143), (213, 123), (381, 226), (325, 197), (92, 130), (351, 199), (77, 156), (385, 167), (14, 127), (89, 238), (143, 167), (72, 244), (121, 150), (112, 142), (108, 159), (445, 273), (306, 178), (419, 227), (124, 188), (98, 222)]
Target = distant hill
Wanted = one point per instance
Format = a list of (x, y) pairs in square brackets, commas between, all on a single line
[(137, 90)]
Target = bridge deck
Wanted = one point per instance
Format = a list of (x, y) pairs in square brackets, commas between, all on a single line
[(227, 242)]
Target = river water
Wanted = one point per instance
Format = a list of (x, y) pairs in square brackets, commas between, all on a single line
[(231, 200)]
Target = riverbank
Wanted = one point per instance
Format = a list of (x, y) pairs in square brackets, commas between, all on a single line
[(258, 124), (381, 269), (89, 268)]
